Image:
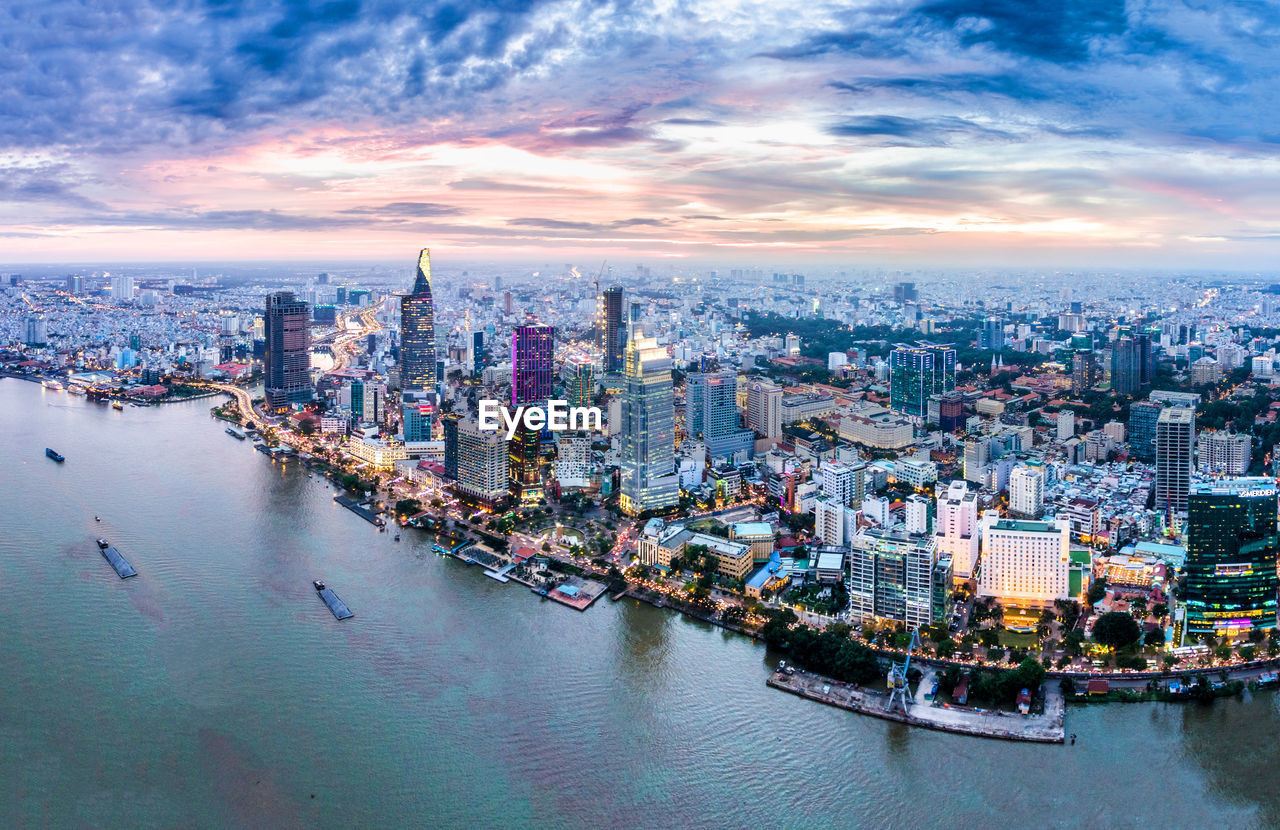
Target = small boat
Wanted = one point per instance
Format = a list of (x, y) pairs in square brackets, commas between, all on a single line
[(52, 385), (117, 405), (319, 585), (75, 390), (55, 455), (103, 544), (97, 518)]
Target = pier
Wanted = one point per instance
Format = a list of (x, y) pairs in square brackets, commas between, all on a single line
[(121, 565), (1044, 728), (360, 510)]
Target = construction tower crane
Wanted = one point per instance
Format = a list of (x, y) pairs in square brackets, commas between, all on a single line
[(899, 687)]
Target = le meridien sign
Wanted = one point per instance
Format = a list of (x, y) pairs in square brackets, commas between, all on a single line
[(556, 416)]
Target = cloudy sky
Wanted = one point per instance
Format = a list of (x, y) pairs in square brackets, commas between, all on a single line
[(956, 131)]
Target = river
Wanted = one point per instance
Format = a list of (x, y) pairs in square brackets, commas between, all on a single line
[(216, 690)]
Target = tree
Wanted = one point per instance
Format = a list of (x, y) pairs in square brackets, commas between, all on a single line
[(1116, 629), (1097, 590), (408, 507), (1155, 637)]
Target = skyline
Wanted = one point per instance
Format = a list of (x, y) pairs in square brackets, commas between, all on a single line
[(944, 133)]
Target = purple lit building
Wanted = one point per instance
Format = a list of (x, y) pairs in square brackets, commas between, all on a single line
[(532, 364)]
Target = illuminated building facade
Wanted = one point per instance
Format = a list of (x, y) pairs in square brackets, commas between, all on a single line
[(649, 480), (1231, 557), (287, 360), (418, 330)]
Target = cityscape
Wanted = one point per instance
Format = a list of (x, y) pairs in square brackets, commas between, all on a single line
[(854, 490)]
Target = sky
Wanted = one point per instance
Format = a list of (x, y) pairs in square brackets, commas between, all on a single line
[(1003, 132)]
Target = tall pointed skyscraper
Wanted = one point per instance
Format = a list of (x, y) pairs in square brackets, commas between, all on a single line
[(418, 330)]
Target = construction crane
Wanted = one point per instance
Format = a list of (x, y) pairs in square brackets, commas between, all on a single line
[(899, 687)]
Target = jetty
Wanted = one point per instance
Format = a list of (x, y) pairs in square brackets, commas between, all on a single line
[(1046, 728), (337, 606), (122, 567), (360, 510)]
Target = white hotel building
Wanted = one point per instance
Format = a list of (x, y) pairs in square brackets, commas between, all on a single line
[(1024, 561)]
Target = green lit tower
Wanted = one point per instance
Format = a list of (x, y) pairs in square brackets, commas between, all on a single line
[(1231, 557)]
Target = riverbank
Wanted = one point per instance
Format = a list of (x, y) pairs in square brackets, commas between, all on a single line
[(1045, 728)]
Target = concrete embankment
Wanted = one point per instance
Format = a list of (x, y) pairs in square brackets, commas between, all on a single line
[(1037, 728)]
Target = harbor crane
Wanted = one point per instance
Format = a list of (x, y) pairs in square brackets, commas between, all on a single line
[(899, 687)]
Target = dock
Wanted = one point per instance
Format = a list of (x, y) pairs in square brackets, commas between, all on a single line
[(1044, 728), (122, 566), (360, 510), (337, 606), (577, 593)]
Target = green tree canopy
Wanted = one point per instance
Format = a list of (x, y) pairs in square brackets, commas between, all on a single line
[(1116, 629)]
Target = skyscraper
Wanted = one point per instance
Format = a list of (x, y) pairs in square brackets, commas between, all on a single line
[(916, 372), (891, 577), (711, 413), (1025, 561), (1175, 443), (991, 335), (764, 408), (1231, 557), (1126, 366), (1084, 370), (532, 380), (613, 331), (532, 364), (1142, 429), (418, 330), (287, 361), (648, 477), (582, 384)]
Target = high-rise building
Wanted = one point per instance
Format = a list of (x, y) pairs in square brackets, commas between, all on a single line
[(287, 361), (482, 463), (1085, 370), (991, 335), (122, 288), (649, 480), (891, 577), (1143, 416), (415, 420), (711, 413), (1146, 358), (532, 365), (844, 483), (477, 352), (1026, 492), (916, 373), (1126, 366), (951, 412), (35, 331), (1066, 424), (1175, 445), (1231, 557), (582, 384), (532, 383), (829, 521), (1223, 453), (905, 292), (1025, 561), (449, 425), (613, 330), (956, 528), (977, 455), (764, 408), (418, 330)]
